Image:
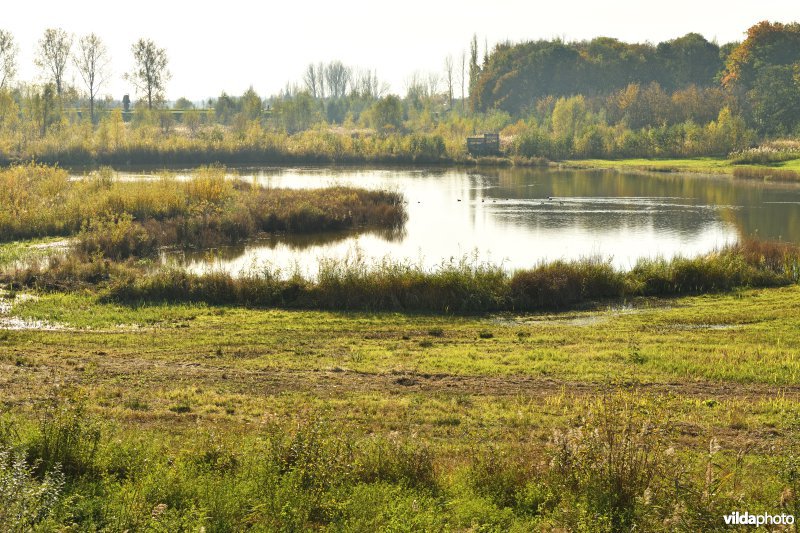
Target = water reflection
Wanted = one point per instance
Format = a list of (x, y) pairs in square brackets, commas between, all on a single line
[(249, 256), (518, 217)]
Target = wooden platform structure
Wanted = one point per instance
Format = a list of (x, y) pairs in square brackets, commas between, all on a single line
[(486, 144)]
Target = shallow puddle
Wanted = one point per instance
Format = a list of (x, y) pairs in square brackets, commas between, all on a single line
[(13, 323)]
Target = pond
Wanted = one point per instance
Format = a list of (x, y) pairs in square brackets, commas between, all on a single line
[(517, 218)]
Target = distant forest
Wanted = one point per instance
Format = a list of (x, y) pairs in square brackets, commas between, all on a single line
[(650, 84), (687, 97)]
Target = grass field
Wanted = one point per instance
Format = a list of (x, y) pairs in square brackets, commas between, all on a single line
[(203, 416)]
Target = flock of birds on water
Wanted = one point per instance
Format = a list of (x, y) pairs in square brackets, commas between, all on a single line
[(483, 200)]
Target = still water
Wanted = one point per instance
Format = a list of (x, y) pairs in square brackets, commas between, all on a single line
[(519, 217)]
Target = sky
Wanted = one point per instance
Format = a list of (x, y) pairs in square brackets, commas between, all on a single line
[(231, 45)]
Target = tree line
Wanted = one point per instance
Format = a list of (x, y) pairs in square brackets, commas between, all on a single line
[(600, 98), (57, 50), (759, 78)]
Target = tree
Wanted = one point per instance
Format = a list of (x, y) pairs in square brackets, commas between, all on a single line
[(321, 79), (463, 78), (297, 113), (225, 108), (183, 104), (474, 69), (312, 82), (92, 60), (150, 74), (337, 78), (41, 107), (8, 58), (764, 71), (365, 84), (416, 89), (689, 59), (53, 54), (386, 114), (448, 77), (251, 104), (433, 84)]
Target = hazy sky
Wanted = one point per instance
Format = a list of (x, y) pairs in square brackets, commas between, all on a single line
[(230, 45)]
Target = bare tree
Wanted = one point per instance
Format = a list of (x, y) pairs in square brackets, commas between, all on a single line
[(321, 79), (338, 78), (8, 58), (53, 54), (463, 77), (91, 60), (448, 76), (367, 85), (311, 81), (150, 74), (433, 83), (416, 89)]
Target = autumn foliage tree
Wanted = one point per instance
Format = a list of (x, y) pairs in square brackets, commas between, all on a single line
[(764, 71)]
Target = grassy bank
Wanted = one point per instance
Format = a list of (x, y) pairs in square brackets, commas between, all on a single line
[(186, 416), (776, 171)]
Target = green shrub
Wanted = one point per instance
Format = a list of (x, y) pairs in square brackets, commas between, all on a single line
[(27, 502)]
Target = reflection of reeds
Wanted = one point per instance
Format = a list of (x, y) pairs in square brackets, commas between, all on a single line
[(297, 242)]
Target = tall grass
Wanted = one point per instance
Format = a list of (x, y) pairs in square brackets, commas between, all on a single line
[(769, 152), (125, 219), (613, 467), (766, 173), (463, 287), (28, 501)]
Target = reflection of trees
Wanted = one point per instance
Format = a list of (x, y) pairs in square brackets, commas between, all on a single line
[(294, 242), (770, 211)]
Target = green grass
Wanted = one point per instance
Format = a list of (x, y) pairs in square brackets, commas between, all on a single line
[(699, 165), (25, 251), (744, 337), (228, 417)]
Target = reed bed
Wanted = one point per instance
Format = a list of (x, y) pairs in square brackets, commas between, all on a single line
[(766, 173), (127, 219), (460, 287)]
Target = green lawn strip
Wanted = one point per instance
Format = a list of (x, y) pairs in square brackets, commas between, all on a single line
[(702, 165)]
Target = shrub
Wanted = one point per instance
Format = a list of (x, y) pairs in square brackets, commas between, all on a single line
[(116, 237), (27, 502)]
